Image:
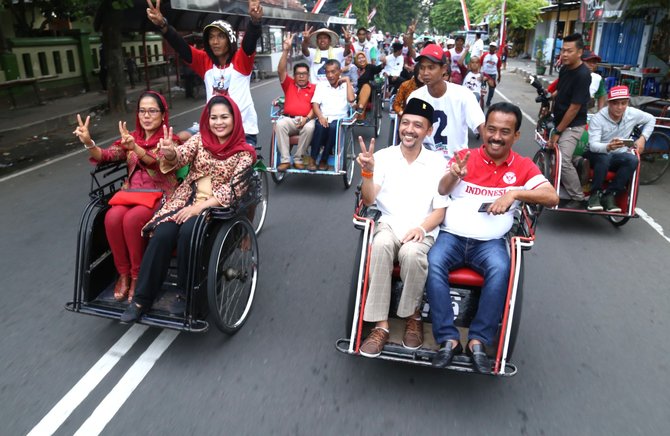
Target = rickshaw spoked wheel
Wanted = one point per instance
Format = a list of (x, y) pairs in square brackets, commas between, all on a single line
[(232, 274), (261, 209), (349, 157)]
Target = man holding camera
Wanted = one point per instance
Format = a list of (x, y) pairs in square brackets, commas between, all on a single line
[(610, 148)]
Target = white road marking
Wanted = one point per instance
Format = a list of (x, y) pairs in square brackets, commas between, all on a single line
[(101, 143), (60, 412), (104, 413), (654, 225), (646, 217)]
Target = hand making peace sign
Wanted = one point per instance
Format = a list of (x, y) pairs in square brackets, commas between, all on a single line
[(366, 157), (460, 167), (288, 41), (154, 13), (127, 140), (81, 131), (255, 11), (166, 146), (307, 32)]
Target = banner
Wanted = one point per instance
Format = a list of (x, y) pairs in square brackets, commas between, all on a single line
[(372, 14), (466, 17), (347, 11), (317, 6), (601, 10)]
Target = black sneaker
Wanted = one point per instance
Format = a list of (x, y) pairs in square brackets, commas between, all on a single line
[(594, 203), (609, 204), (132, 314), (574, 204)]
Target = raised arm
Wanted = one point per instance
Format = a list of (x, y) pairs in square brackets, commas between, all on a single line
[(254, 29), (169, 33), (283, 61), (305, 40)]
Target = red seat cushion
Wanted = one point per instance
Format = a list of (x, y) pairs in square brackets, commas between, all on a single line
[(460, 276), (293, 140), (608, 178)]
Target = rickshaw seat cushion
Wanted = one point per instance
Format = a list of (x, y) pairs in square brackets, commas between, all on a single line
[(608, 178), (460, 276), (293, 140)]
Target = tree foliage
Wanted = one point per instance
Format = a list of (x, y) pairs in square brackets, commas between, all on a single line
[(446, 16), (521, 14)]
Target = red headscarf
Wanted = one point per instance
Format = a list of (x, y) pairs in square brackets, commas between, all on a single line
[(235, 143), (139, 135)]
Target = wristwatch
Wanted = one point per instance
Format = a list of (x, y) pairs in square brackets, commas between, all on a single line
[(557, 132)]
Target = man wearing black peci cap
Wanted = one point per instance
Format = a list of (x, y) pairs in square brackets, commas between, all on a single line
[(402, 181)]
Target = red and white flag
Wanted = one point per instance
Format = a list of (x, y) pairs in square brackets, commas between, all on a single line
[(372, 14), (503, 29), (347, 11), (466, 16), (317, 6)]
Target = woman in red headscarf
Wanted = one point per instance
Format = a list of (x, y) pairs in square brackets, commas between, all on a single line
[(215, 155), (125, 219)]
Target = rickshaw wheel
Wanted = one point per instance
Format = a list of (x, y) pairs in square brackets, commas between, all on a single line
[(541, 159), (261, 210), (278, 177), (655, 158), (354, 284), (514, 331), (378, 115), (232, 275), (348, 157), (618, 221)]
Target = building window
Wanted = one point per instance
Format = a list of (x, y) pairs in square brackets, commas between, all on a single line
[(58, 64), (44, 68), (28, 65), (70, 61)]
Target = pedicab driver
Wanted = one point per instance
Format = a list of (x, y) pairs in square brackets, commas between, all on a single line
[(608, 150), (496, 176), (403, 182)]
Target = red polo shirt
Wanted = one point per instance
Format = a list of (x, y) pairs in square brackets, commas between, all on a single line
[(297, 101)]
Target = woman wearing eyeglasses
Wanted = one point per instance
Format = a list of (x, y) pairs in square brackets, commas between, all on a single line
[(145, 184)]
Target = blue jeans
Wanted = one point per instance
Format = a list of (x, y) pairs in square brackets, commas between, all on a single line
[(488, 258), (624, 164), (323, 137), (251, 140)]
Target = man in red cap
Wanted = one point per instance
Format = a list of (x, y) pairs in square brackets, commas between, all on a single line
[(455, 107), (609, 151)]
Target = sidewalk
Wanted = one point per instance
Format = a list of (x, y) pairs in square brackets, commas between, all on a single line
[(526, 67)]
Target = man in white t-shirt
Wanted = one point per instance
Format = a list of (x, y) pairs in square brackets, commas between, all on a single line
[(330, 103), (402, 181), (456, 58), (326, 42), (491, 64), (485, 186), (477, 48), (456, 108), (367, 47), (395, 63)]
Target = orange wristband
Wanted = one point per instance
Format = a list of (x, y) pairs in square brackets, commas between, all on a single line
[(366, 174)]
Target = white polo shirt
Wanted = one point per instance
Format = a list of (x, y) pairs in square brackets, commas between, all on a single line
[(333, 101), (408, 192), (394, 65)]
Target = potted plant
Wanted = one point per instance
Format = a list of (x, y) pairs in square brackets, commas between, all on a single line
[(540, 60)]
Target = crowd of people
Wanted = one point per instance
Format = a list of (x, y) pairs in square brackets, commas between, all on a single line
[(443, 206)]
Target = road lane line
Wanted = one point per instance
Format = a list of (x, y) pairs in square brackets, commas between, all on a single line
[(60, 412), (101, 416), (654, 225), (101, 143)]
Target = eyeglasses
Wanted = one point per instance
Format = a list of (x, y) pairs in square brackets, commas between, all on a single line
[(151, 111)]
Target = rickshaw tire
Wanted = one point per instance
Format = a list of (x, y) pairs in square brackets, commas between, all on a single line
[(618, 221), (232, 263), (261, 210), (348, 157), (278, 177)]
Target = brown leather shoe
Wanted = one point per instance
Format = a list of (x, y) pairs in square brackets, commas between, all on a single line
[(413, 338), (323, 165), (374, 343), (131, 291), (121, 287), (298, 166), (311, 166), (283, 166)]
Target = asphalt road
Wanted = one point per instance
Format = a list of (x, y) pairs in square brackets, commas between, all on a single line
[(592, 349)]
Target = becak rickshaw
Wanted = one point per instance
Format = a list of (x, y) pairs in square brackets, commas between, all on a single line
[(223, 261), (465, 285)]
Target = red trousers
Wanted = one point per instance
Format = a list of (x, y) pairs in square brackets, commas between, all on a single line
[(123, 226)]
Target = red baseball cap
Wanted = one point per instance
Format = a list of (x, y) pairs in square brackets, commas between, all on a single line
[(433, 53), (618, 92)]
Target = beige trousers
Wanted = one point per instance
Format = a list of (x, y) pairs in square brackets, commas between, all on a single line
[(284, 129)]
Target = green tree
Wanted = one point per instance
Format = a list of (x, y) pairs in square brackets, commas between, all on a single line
[(446, 16), (521, 14)]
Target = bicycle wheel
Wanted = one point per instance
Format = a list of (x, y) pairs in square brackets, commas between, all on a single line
[(618, 221), (348, 157), (232, 275), (261, 209), (655, 158), (378, 116), (278, 177), (542, 160)]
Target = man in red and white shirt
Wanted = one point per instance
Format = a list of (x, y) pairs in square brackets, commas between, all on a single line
[(496, 180), (224, 68), (298, 116)]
